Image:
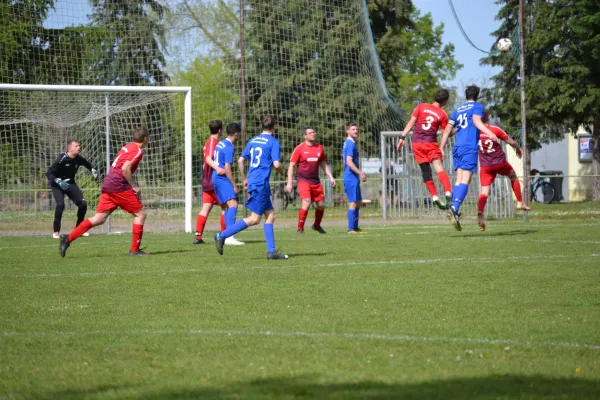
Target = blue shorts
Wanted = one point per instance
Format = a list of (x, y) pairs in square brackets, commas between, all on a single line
[(352, 190), (224, 190), (260, 199), (465, 158)]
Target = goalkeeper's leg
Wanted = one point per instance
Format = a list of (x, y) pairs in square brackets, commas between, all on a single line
[(59, 197)]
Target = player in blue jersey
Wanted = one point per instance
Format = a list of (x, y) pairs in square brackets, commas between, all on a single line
[(466, 119), (225, 186), (262, 152), (352, 177)]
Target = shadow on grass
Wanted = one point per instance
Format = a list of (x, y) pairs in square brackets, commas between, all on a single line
[(320, 253), (517, 232), (309, 387), (155, 253)]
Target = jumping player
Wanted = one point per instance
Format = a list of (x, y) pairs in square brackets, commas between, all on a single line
[(61, 179), (262, 152), (492, 160), (467, 121), (352, 177), (427, 119), (118, 190), (309, 156)]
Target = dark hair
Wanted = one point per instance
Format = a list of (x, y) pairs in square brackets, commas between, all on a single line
[(139, 134), (70, 142), (268, 122), (350, 124), (307, 128), (215, 126), (233, 128), (472, 92), (442, 96), (486, 117)]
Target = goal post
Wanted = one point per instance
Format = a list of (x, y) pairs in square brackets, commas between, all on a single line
[(36, 120)]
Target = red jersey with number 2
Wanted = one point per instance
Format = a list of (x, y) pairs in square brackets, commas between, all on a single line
[(115, 182), (490, 152), (430, 119), (308, 159)]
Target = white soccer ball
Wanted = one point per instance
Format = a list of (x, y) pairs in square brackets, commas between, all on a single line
[(504, 44)]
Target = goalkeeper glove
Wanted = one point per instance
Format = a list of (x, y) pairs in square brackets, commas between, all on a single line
[(95, 173), (64, 185)]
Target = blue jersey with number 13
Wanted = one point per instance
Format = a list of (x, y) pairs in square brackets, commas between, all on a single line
[(467, 134), (261, 151)]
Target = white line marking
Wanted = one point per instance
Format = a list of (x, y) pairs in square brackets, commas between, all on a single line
[(481, 260), (358, 336)]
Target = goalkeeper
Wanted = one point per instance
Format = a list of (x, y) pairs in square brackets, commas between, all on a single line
[(61, 178)]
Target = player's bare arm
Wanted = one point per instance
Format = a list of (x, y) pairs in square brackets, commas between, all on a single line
[(208, 160), (128, 175), (482, 128), (327, 171), (290, 174), (229, 175), (355, 169), (242, 169), (446, 135), (511, 142), (405, 132)]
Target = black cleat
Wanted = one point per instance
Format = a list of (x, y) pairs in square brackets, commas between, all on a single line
[(319, 229), (138, 253), (300, 232), (440, 204), (199, 241), (219, 242), (64, 244), (454, 219), (276, 256)]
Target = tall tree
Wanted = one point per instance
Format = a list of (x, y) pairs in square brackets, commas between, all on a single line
[(562, 43)]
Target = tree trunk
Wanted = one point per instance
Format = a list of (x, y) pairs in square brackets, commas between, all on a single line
[(596, 158)]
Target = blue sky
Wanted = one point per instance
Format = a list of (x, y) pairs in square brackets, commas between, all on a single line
[(478, 20)]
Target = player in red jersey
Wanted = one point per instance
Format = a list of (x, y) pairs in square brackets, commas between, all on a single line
[(492, 161), (309, 155), (427, 119), (209, 197), (118, 190)]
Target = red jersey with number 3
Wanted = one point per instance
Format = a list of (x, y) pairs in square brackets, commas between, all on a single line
[(490, 152), (115, 181), (308, 159), (430, 119), (209, 151)]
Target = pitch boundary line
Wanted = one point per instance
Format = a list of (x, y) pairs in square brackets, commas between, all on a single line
[(357, 336)]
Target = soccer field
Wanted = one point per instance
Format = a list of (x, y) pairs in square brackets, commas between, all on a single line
[(405, 311)]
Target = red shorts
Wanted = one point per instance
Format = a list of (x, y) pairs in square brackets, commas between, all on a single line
[(487, 175), (312, 191), (426, 152), (126, 200), (210, 197)]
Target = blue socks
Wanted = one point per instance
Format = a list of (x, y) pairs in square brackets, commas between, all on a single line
[(458, 195), (356, 217), (230, 214), (270, 238), (353, 219), (233, 229)]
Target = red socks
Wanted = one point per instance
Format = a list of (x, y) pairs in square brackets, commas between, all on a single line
[(200, 222), (445, 181), (318, 217), (302, 218), (516, 187), (82, 228), (223, 227), (481, 201), (431, 188), (136, 240)]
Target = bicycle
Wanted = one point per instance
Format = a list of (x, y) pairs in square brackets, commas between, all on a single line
[(541, 189)]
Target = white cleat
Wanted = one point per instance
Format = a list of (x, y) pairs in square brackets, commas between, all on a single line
[(86, 234), (55, 235), (233, 241)]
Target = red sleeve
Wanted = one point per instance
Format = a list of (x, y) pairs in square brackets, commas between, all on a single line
[(296, 154), (498, 132), (417, 110), (209, 148)]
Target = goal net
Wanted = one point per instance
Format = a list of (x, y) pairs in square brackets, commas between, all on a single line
[(35, 126)]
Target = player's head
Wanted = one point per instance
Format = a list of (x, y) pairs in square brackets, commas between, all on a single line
[(268, 123), (442, 96), (310, 136), (472, 92), (352, 129), (215, 126), (486, 117), (73, 147), (233, 131), (140, 135)]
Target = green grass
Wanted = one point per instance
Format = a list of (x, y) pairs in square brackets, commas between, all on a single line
[(411, 312)]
